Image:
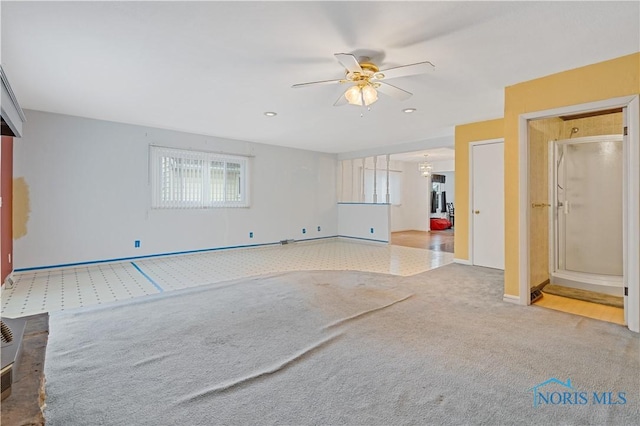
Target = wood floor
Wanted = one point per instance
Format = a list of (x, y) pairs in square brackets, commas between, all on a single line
[(582, 308), (432, 240)]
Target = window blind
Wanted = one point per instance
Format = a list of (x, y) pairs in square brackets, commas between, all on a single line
[(184, 179)]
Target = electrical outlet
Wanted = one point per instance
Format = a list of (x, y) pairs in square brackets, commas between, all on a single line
[(318, 229), (371, 230), (304, 230), (250, 234), (136, 244)]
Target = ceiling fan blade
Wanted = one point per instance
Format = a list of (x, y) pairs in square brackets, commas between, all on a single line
[(411, 69), (314, 83), (393, 91), (349, 62), (342, 100)]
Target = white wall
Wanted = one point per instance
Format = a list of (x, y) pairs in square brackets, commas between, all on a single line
[(90, 197), (413, 213), (365, 221), (350, 179)]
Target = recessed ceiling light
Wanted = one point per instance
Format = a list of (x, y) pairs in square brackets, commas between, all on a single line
[(270, 114), (409, 110)]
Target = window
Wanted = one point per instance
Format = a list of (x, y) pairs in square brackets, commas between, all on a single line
[(182, 179)]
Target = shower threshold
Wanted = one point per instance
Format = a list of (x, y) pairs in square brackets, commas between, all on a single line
[(607, 284)]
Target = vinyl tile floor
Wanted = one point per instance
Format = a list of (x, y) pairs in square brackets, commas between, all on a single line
[(51, 290)]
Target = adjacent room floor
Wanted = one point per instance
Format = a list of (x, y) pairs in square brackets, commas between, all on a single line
[(582, 308), (441, 241)]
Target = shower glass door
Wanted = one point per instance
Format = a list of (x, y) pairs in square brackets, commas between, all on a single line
[(589, 205)]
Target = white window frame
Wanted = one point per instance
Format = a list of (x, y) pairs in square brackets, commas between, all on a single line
[(202, 162)]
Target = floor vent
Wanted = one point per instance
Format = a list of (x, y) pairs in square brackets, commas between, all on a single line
[(536, 292), (8, 282), (535, 295), (7, 335), (12, 333), (283, 242)]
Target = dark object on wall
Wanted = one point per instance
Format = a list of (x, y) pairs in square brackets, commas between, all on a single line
[(438, 178), (451, 213), (434, 201), (443, 204)]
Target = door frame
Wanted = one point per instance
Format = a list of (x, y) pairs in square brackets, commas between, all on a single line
[(631, 197), (471, 185)]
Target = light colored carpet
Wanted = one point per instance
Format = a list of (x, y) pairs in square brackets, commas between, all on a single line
[(585, 295), (333, 348)]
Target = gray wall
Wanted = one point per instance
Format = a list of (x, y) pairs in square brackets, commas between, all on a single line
[(89, 195)]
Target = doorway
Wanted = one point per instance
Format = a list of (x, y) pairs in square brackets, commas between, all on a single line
[(487, 203), (421, 219), (537, 209)]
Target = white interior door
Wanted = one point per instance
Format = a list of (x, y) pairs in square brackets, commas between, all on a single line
[(487, 204)]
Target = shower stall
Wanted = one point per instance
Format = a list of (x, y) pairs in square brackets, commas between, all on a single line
[(585, 193)]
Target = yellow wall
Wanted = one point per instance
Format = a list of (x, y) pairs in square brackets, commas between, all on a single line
[(604, 80), (540, 133), (465, 134)]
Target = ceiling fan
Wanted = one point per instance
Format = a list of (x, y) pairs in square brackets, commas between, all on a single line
[(366, 80)]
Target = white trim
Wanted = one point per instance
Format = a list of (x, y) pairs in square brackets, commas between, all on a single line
[(462, 261), (523, 211), (631, 213), (10, 109), (470, 212), (511, 299), (552, 197), (632, 266)]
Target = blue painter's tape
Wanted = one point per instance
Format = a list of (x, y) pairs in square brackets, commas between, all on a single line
[(365, 239), (175, 253), (155, 284)]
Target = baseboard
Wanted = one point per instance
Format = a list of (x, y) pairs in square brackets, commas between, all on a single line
[(462, 261), (175, 253), (511, 299)]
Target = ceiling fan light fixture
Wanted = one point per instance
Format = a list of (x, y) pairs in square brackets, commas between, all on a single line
[(353, 95), (369, 94), (361, 95)]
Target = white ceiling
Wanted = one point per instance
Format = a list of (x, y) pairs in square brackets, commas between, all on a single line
[(215, 67)]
